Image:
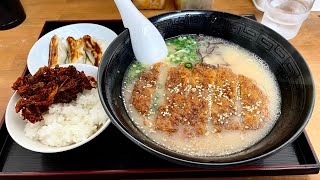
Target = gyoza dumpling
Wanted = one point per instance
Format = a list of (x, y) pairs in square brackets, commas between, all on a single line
[(93, 50), (57, 52), (76, 50)]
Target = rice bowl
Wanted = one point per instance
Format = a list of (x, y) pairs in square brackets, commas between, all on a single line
[(69, 123), (41, 142)]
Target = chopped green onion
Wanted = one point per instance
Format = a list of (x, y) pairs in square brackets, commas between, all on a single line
[(135, 70), (188, 65), (188, 47)]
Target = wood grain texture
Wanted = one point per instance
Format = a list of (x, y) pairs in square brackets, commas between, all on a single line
[(16, 43)]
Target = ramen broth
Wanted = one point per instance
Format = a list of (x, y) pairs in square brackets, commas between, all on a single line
[(212, 139)]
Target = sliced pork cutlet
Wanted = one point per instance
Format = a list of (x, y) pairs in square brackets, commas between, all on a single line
[(186, 104), (254, 104), (198, 101), (144, 89), (169, 114), (203, 75), (225, 101), (178, 79), (168, 117)]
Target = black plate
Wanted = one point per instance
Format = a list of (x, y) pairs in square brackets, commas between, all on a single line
[(111, 154)]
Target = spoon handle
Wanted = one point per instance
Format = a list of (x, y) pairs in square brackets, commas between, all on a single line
[(147, 43)]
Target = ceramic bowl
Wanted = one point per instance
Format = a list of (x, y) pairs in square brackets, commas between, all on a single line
[(15, 124), (290, 69)]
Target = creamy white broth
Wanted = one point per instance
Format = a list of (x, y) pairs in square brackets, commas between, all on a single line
[(212, 143)]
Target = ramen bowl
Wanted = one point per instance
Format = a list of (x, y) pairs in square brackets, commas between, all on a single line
[(288, 66)]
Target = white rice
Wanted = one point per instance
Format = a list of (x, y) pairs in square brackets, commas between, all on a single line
[(69, 123)]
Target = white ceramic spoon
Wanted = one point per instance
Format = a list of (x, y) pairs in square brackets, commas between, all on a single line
[(148, 45)]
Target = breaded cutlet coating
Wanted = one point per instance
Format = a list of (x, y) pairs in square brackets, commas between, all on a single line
[(144, 88), (254, 104), (178, 79), (224, 106), (202, 99), (169, 113), (186, 103)]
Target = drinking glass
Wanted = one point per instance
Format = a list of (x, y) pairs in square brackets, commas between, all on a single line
[(286, 16)]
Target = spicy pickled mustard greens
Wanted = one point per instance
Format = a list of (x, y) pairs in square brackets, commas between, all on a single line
[(204, 95)]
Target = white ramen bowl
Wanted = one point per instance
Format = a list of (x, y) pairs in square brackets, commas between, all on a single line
[(15, 124)]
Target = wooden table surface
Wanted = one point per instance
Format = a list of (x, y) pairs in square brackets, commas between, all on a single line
[(16, 43)]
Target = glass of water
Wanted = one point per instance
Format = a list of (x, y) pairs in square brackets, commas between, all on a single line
[(286, 16)]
